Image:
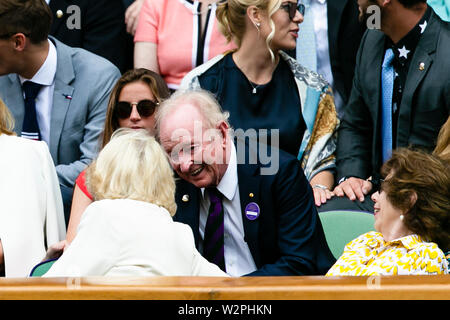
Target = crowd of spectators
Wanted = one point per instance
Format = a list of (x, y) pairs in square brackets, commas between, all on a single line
[(206, 137)]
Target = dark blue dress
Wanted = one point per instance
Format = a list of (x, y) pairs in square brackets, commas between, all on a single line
[(275, 105)]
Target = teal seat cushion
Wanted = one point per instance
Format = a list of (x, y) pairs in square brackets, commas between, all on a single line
[(40, 269), (341, 227)]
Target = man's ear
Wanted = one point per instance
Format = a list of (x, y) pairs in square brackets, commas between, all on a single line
[(20, 41), (223, 128)]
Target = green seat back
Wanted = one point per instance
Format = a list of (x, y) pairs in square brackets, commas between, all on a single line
[(341, 227), (40, 269)]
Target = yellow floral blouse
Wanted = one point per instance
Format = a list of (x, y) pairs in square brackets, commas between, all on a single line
[(369, 254)]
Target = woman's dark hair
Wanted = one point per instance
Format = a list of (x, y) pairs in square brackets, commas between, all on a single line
[(155, 83), (419, 184)]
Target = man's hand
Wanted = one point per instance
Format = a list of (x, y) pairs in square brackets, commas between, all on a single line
[(353, 188)]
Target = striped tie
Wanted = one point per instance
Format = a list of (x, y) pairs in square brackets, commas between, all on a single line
[(213, 249), (30, 127)]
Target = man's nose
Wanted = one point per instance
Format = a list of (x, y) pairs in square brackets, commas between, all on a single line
[(184, 163)]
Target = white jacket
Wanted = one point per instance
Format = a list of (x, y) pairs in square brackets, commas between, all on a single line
[(125, 237), (31, 209)]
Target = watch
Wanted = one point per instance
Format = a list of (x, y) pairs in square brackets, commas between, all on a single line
[(342, 180)]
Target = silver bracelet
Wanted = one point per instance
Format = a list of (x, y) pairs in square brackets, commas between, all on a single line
[(320, 186)]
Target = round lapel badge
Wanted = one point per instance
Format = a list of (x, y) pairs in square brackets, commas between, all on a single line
[(252, 211)]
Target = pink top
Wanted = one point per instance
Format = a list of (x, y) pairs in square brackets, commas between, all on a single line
[(174, 26)]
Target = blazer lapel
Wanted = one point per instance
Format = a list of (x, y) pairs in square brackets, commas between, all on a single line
[(372, 82), (188, 202), (56, 5), (334, 14), (249, 191), (420, 64), (15, 102), (62, 96)]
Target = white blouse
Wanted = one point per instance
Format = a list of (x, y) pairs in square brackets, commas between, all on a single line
[(125, 237), (31, 209)]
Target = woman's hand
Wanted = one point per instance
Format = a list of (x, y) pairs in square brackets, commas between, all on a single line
[(56, 250), (321, 184), (321, 194)]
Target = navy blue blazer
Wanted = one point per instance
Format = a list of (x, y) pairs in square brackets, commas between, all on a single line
[(287, 238)]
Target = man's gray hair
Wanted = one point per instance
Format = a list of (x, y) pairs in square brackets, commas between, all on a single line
[(203, 100)]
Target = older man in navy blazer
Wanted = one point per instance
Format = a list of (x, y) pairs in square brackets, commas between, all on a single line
[(74, 87), (268, 224)]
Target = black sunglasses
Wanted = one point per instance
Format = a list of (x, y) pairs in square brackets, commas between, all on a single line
[(292, 8), (145, 108)]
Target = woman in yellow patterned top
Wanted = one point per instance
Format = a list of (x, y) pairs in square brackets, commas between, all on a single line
[(411, 218)]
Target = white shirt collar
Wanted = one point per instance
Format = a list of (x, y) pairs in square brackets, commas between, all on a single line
[(46, 74), (229, 182)]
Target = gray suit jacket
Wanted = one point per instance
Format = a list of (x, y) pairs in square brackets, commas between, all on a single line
[(424, 108), (83, 83)]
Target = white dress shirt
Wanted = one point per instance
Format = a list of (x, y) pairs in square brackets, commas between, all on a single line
[(238, 258), (44, 101), (319, 11)]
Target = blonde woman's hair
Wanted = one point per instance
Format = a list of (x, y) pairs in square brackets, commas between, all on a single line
[(6, 120), (442, 149), (203, 100), (132, 165), (231, 15)]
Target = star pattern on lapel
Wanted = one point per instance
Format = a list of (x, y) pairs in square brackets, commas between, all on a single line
[(403, 52), (423, 26)]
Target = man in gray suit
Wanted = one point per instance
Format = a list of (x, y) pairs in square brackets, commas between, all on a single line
[(73, 88), (400, 96)]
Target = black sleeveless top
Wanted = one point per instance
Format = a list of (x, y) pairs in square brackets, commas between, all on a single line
[(275, 105)]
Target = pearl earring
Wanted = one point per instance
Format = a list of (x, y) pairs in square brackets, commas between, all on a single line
[(402, 217)]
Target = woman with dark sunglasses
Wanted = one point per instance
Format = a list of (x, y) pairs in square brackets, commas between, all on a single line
[(263, 88), (132, 104)]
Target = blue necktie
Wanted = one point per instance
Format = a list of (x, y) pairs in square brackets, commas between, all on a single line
[(213, 243), (306, 42), (30, 128), (387, 88)]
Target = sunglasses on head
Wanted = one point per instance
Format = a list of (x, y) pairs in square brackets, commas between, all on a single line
[(145, 108), (292, 8)]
